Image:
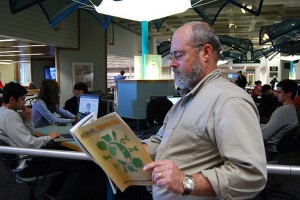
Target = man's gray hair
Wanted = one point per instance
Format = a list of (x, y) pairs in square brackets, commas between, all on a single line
[(202, 33)]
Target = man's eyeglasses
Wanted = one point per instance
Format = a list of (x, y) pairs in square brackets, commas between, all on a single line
[(178, 55)]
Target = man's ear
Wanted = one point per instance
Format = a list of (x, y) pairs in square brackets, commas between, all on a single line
[(12, 100), (207, 52)]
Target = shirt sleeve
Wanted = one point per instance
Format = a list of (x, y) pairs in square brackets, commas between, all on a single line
[(21, 135), (64, 113), (236, 131), (154, 141), (274, 124), (50, 117)]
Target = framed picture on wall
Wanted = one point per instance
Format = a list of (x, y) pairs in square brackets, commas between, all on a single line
[(83, 72)]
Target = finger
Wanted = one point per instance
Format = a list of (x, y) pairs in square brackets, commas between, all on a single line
[(153, 165), (157, 176), (149, 166)]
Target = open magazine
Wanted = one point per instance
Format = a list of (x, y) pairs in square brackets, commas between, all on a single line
[(115, 148)]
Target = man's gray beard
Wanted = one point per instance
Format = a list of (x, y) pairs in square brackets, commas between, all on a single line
[(186, 81)]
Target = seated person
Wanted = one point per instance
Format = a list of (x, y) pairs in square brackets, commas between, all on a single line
[(283, 118), (47, 104), (267, 98), (297, 99), (71, 104), (255, 92), (17, 131), (31, 86), (1, 84)]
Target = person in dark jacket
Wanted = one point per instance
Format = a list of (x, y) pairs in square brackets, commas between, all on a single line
[(241, 80), (72, 104)]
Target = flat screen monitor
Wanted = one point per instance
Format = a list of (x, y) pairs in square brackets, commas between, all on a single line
[(275, 85), (50, 73), (87, 104), (232, 76)]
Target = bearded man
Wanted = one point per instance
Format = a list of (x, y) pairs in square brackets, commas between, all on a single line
[(210, 145)]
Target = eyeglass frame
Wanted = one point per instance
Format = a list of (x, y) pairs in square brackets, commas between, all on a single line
[(174, 55)]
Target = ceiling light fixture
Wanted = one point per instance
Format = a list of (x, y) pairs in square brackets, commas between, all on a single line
[(231, 25), (10, 51), (32, 45), (265, 37), (289, 58), (5, 63), (8, 40), (247, 5), (142, 10), (24, 54)]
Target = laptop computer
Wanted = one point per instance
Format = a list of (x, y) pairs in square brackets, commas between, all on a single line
[(64, 137), (87, 104)]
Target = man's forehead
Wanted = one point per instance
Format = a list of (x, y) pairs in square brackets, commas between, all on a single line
[(177, 44)]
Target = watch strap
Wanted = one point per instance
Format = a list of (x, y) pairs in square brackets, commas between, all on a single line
[(188, 184)]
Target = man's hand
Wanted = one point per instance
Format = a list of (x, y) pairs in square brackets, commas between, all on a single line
[(26, 112), (165, 173), (54, 135)]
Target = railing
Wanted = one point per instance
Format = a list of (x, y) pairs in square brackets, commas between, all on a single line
[(272, 169)]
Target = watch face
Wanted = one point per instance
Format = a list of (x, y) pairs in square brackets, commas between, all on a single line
[(189, 183)]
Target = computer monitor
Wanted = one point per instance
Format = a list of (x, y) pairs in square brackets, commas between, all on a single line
[(232, 76), (275, 85), (87, 104), (50, 73)]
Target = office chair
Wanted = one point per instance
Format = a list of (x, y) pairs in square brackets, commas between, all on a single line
[(156, 110), (285, 146), (11, 161), (30, 101)]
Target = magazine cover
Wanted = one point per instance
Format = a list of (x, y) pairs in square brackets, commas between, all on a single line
[(116, 148)]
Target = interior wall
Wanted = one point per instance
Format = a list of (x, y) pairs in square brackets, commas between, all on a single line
[(285, 72), (37, 70), (31, 24), (7, 73), (92, 49), (122, 42), (275, 62)]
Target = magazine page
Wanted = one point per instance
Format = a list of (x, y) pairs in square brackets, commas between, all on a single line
[(116, 148), (86, 120)]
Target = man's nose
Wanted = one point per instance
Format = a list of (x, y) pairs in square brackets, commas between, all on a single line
[(173, 62)]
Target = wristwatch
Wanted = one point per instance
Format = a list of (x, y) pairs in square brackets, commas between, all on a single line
[(188, 184)]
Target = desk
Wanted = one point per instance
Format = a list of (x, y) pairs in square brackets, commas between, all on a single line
[(60, 129)]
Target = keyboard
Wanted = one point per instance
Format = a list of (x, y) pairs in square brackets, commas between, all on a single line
[(64, 137), (67, 136)]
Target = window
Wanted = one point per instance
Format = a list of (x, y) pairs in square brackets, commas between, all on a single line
[(25, 73)]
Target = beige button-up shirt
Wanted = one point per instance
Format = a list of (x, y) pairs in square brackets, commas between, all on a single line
[(214, 130)]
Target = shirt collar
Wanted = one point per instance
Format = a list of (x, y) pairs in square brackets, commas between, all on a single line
[(207, 79)]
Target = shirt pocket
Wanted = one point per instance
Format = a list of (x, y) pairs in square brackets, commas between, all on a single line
[(184, 145)]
